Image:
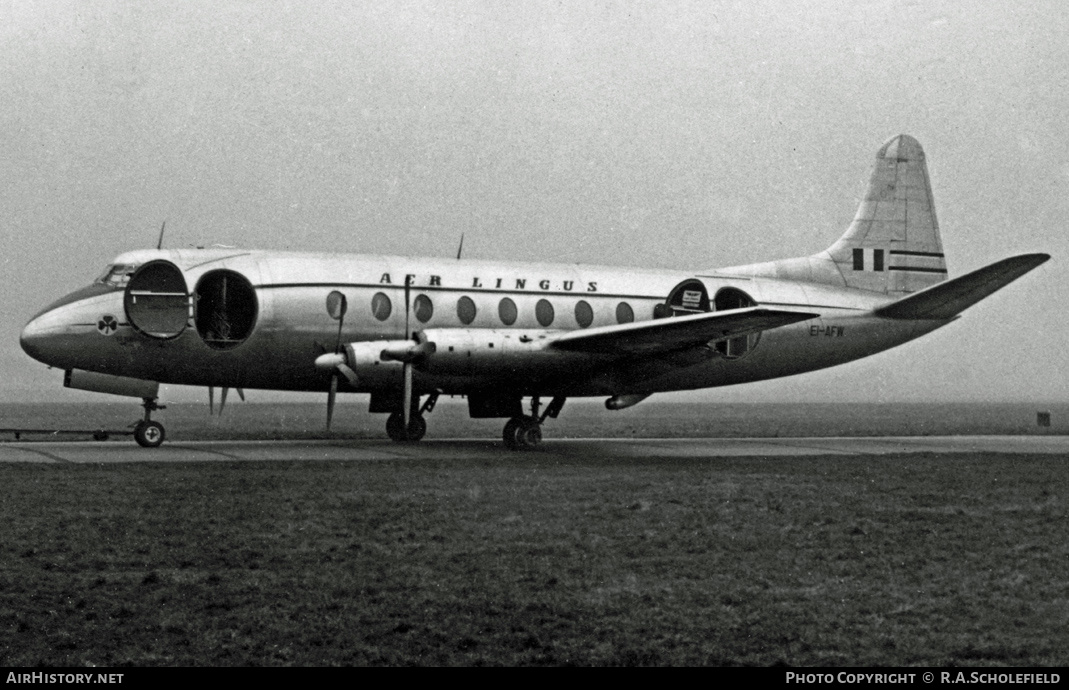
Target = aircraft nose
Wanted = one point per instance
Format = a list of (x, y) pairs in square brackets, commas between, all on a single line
[(35, 336), (55, 336)]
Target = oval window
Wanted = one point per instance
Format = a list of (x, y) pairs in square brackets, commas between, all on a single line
[(423, 308), (584, 315), (226, 309), (733, 298), (544, 312), (624, 313), (465, 310), (381, 306), (156, 300), (506, 309)]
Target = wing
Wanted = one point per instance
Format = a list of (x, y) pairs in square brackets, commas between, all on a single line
[(666, 335), (946, 300)]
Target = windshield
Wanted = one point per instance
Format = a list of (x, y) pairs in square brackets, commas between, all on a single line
[(117, 274)]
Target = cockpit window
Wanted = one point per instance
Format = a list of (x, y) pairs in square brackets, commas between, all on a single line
[(117, 275)]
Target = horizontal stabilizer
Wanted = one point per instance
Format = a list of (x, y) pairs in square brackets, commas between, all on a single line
[(948, 299), (676, 333)]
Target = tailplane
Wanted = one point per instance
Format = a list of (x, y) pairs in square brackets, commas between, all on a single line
[(947, 300)]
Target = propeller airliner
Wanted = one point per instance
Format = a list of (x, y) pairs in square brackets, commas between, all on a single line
[(407, 330)]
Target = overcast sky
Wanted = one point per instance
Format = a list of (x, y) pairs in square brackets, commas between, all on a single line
[(670, 134)]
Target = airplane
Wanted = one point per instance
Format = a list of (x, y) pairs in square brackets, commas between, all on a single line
[(406, 330)]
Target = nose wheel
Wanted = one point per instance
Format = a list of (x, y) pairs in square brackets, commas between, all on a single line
[(147, 433)]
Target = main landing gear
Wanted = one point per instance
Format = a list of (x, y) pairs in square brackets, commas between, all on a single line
[(147, 433), (526, 431), (417, 425)]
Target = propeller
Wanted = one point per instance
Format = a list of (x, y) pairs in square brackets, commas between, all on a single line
[(409, 353), (337, 305)]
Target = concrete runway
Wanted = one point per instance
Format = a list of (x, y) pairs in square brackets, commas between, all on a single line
[(85, 452)]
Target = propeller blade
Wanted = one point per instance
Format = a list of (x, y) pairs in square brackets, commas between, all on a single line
[(408, 352), (406, 404), (241, 394), (211, 400), (337, 305), (331, 396), (348, 373), (222, 400), (408, 304)]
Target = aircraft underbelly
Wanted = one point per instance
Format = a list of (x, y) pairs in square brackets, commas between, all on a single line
[(804, 347)]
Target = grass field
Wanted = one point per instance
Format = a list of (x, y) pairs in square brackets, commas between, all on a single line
[(924, 560)]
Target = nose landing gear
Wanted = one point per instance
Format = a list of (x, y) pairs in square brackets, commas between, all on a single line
[(147, 433)]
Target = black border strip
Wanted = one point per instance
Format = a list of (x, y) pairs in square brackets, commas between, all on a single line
[(903, 252), (917, 269)]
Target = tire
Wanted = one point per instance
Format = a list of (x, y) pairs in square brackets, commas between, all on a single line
[(395, 428), (522, 432), (530, 434), (417, 427), (511, 434), (149, 434)]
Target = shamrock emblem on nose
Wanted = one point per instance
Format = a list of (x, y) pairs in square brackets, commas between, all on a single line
[(107, 324)]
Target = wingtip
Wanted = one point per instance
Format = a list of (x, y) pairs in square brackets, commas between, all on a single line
[(1029, 260)]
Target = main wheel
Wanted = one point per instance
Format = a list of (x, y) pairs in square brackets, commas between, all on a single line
[(511, 434), (530, 434), (522, 432), (395, 428), (417, 427), (149, 434)]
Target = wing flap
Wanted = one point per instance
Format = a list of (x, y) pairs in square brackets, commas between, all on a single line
[(665, 335), (948, 299)]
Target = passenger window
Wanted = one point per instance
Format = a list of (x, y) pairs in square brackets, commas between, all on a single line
[(381, 306), (624, 313), (423, 308), (465, 310), (506, 309), (544, 313), (584, 315)]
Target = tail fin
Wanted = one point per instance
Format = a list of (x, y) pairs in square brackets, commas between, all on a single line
[(893, 245)]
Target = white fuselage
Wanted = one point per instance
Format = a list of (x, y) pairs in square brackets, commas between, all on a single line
[(286, 324)]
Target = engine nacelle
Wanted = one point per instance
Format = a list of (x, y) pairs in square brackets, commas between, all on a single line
[(482, 352), (489, 351), (365, 358), (108, 383)]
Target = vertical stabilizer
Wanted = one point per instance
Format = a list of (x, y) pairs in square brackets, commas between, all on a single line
[(893, 245)]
